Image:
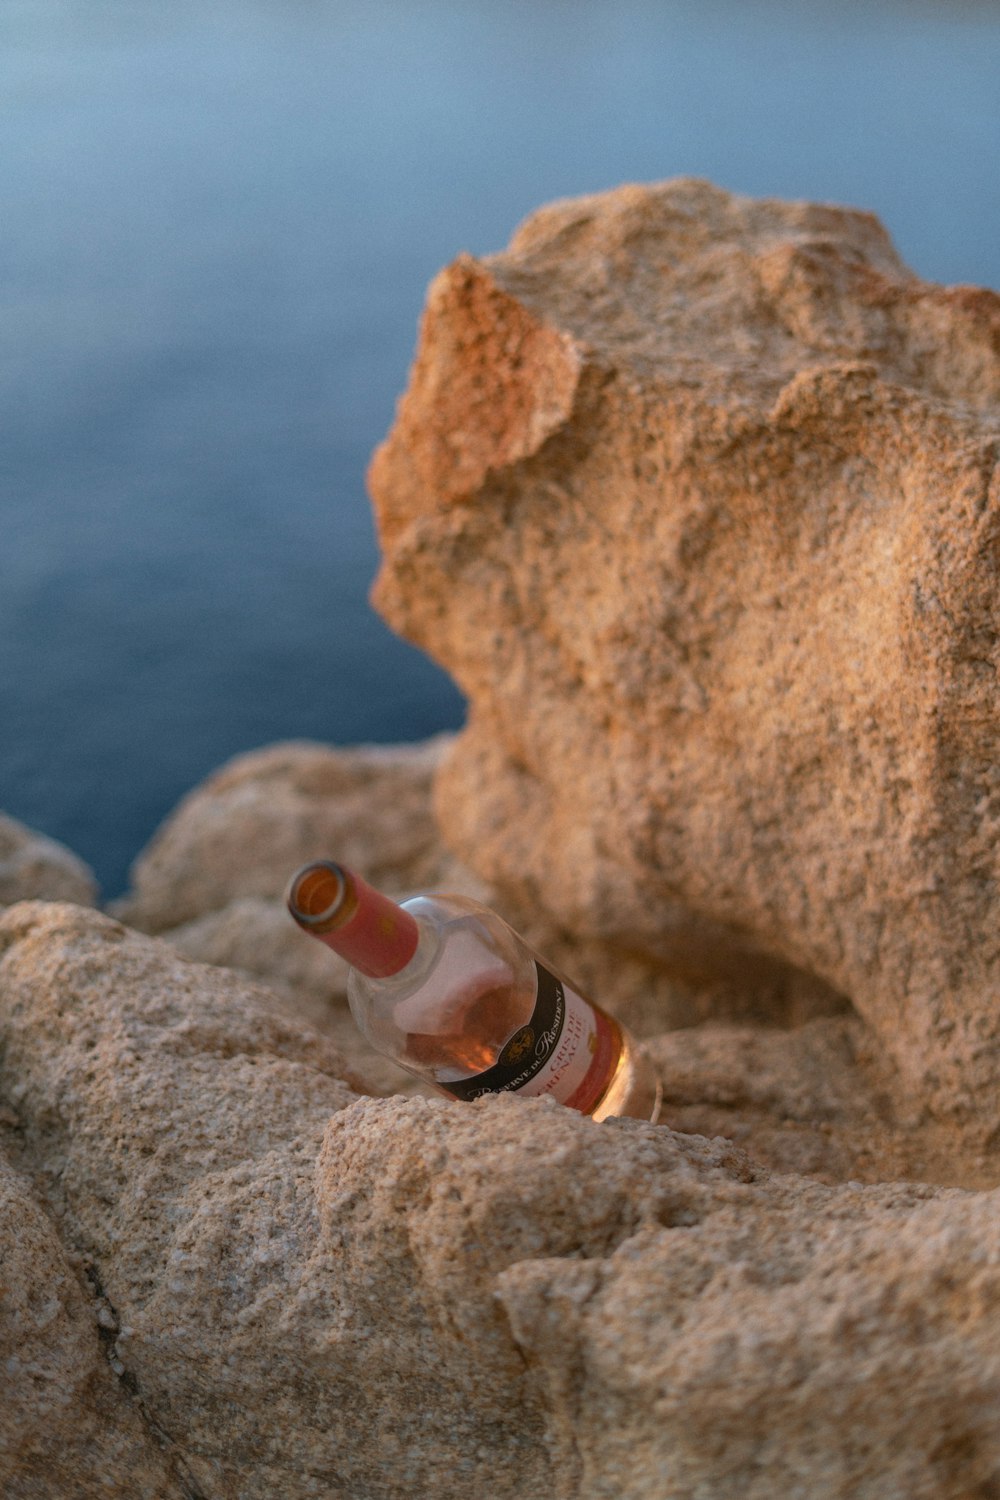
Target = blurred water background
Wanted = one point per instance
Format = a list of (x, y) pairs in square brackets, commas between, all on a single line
[(217, 224)]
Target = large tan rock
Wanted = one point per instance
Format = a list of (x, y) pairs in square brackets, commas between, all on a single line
[(310, 1294), (696, 497)]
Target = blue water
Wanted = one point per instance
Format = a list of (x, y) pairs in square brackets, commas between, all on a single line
[(216, 227)]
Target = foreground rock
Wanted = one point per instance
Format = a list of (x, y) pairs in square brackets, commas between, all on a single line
[(68, 1427), (307, 1293), (696, 498), (158, 1105)]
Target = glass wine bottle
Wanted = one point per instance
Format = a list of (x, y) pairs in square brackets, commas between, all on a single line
[(443, 986)]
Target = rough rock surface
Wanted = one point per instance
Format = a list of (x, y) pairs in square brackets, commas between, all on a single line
[(67, 1425), (310, 1294), (697, 499), (34, 867), (168, 1119)]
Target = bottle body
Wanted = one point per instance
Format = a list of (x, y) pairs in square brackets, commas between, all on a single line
[(472, 1010)]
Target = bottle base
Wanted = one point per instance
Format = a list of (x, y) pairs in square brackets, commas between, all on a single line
[(635, 1091)]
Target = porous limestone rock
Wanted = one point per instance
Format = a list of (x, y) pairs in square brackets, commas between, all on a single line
[(170, 1118), (697, 499), (308, 1294), (67, 1426), (34, 867), (815, 1099)]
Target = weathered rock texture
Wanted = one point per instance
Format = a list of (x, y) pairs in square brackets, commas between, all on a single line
[(68, 1427), (697, 499), (33, 867), (303, 1293), (169, 1121)]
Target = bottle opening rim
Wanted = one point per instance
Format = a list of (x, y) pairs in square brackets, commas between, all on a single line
[(318, 895)]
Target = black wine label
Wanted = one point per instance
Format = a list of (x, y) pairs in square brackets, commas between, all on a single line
[(526, 1052)]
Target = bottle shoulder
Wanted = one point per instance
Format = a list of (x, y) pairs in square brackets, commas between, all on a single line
[(445, 906), (463, 947)]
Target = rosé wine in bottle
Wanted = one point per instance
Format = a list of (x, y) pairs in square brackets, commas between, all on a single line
[(443, 986)]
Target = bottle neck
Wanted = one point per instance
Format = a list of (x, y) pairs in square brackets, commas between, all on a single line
[(375, 935)]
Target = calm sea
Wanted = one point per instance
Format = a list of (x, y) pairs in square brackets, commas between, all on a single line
[(216, 226)]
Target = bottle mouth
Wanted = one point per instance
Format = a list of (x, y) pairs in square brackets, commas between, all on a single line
[(322, 896)]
